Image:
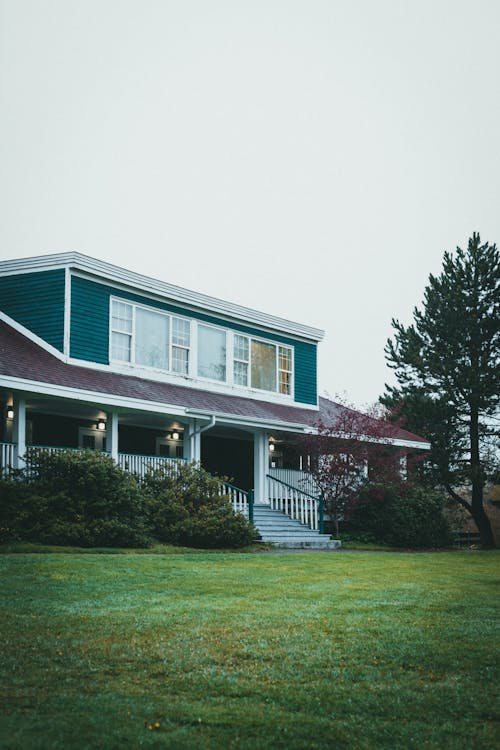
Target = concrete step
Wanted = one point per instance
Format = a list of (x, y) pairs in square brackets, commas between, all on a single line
[(276, 527)]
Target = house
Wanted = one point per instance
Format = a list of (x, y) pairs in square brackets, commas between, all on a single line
[(96, 356)]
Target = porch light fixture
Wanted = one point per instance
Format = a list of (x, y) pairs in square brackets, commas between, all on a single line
[(101, 425), (10, 412), (174, 435), (271, 447)]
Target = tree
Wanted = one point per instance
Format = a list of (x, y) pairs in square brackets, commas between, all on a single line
[(346, 444), (447, 367)]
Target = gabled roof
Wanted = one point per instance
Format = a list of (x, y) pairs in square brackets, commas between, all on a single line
[(150, 286), (27, 366)]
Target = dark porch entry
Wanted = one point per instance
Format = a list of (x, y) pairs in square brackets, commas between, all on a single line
[(230, 457)]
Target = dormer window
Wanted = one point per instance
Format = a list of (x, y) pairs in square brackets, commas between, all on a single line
[(140, 335)]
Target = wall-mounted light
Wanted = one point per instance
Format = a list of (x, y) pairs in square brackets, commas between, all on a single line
[(174, 435), (10, 412), (101, 425), (271, 447)]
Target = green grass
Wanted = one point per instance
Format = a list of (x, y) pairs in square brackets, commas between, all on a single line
[(329, 650)]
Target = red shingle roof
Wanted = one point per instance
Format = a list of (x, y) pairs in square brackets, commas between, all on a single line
[(22, 358)]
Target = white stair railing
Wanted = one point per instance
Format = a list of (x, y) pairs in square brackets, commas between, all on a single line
[(296, 503)]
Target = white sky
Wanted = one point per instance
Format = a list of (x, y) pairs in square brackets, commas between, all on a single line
[(312, 159)]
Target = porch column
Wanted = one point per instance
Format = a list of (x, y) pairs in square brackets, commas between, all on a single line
[(19, 431), (112, 434), (260, 466), (192, 445)]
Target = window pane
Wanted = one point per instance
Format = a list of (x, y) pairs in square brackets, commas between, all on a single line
[(120, 346), (285, 382), (151, 338), (241, 348), (121, 317), (241, 373), (263, 366), (211, 353), (180, 331), (285, 359), (180, 360)]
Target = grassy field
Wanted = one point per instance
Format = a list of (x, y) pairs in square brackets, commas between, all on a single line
[(345, 650)]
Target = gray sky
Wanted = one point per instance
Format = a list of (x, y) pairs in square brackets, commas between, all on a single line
[(310, 159)]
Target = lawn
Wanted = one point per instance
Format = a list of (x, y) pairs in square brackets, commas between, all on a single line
[(345, 650)]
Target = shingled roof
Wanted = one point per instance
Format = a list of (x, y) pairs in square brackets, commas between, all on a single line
[(22, 358)]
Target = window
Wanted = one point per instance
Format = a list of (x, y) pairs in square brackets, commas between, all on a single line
[(180, 345), (285, 370), (241, 356), (153, 338), (211, 353), (121, 331), (263, 366)]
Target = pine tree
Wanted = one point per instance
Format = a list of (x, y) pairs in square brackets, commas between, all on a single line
[(447, 366)]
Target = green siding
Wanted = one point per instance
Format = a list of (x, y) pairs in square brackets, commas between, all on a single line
[(90, 331), (36, 300)]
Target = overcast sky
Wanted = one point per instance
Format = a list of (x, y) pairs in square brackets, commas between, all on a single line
[(312, 159)]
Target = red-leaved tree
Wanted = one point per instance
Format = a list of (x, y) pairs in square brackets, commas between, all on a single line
[(347, 447)]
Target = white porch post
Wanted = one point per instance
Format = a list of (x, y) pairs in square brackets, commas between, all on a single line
[(19, 431), (260, 466), (112, 434), (192, 445)]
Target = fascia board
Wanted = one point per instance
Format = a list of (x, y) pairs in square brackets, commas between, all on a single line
[(223, 417), (109, 271), (123, 402), (78, 394)]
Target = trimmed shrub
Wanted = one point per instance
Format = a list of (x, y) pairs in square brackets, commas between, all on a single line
[(402, 515), (74, 498), (187, 507)]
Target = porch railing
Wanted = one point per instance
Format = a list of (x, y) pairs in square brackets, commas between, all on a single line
[(6, 458), (140, 464), (296, 478), (296, 503), (241, 500), (135, 463)]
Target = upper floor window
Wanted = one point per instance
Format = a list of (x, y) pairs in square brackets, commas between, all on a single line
[(262, 365), (148, 337)]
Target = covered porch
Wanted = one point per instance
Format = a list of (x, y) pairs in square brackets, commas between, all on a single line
[(142, 439)]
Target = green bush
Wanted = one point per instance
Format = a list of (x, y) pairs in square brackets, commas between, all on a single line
[(402, 515), (82, 498), (74, 498), (187, 507)]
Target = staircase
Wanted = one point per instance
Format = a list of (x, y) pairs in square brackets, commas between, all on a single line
[(278, 528)]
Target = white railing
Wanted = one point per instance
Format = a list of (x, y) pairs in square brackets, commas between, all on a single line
[(301, 480), (239, 498), (293, 502), (6, 457), (139, 464)]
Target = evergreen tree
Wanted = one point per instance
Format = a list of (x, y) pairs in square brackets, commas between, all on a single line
[(447, 367)]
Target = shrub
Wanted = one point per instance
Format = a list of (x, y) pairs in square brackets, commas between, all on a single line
[(187, 506), (74, 498), (403, 515)]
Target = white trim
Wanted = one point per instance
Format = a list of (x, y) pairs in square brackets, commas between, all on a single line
[(143, 373), (125, 402), (33, 337), (115, 274), (67, 311)]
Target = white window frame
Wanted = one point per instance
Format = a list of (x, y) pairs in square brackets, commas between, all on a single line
[(229, 347), (148, 308), (192, 350)]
